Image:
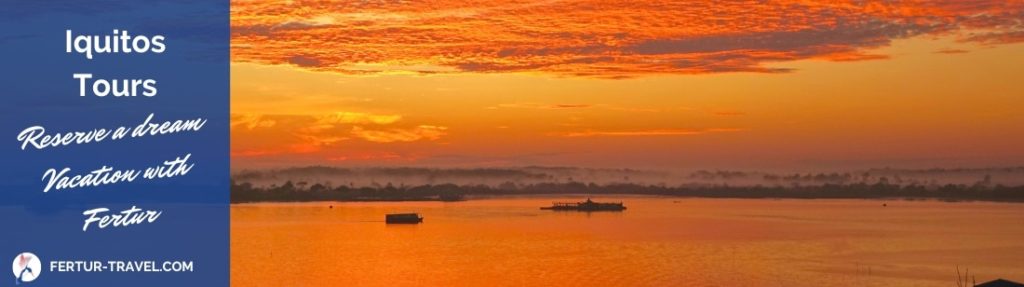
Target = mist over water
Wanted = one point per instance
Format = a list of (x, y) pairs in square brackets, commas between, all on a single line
[(495, 177)]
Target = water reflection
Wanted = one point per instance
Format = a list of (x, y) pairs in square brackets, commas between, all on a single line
[(656, 242)]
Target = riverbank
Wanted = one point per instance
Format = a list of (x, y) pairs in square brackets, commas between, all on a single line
[(289, 192)]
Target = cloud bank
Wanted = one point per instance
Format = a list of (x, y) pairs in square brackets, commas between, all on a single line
[(607, 39)]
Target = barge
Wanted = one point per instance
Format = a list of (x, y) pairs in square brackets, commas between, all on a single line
[(588, 205)]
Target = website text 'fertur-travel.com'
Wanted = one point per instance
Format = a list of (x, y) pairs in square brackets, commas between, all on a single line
[(121, 266)]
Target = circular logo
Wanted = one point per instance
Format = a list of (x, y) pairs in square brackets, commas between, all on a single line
[(26, 267)]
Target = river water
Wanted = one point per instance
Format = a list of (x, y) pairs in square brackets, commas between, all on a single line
[(657, 241)]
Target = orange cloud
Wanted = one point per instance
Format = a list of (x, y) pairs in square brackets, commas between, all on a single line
[(250, 121), (730, 113), (373, 156), (542, 106), (655, 132), (952, 51), (423, 132), (266, 135), (357, 118), (569, 106), (251, 153), (610, 39)]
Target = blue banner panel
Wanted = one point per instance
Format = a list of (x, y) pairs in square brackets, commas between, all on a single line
[(115, 150)]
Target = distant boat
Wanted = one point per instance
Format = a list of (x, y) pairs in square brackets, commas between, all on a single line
[(588, 205), (403, 218)]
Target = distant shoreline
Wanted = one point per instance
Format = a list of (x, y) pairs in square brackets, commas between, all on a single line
[(246, 193), (604, 196)]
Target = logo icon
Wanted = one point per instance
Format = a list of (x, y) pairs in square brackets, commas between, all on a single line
[(26, 267)]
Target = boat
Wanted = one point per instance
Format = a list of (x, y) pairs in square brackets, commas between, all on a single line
[(588, 205), (403, 218)]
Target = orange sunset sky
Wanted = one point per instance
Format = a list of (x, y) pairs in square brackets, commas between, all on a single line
[(805, 85)]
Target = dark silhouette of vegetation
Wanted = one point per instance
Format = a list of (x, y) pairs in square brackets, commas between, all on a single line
[(884, 188)]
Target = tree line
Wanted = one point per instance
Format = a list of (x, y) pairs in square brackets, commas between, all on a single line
[(302, 191)]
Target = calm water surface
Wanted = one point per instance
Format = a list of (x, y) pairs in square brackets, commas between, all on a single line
[(658, 241)]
